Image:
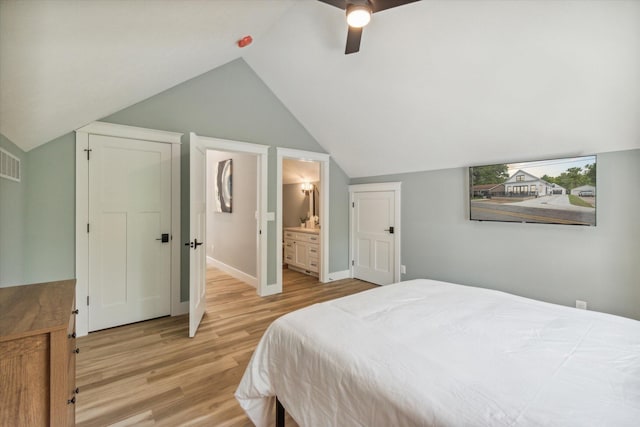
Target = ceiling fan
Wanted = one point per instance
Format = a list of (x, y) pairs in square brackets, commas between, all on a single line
[(359, 14)]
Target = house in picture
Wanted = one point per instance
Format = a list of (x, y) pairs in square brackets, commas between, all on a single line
[(523, 184), (343, 153)]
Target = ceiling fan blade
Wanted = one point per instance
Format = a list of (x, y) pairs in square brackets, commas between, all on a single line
[(378, 5), (341, 4), (353, 40)]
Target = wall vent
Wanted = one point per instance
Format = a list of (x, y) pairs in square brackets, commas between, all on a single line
[(9, 166)]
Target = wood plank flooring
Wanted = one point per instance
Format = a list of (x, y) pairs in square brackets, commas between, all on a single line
[(151, 373)]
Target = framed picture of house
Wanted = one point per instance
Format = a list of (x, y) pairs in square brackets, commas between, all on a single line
[(556, 191), (223, 186)]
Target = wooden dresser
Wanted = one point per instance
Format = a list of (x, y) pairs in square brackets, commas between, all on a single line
[(37, 354)]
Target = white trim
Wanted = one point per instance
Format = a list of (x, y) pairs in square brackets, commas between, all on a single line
[(82, 211), (378, 186), (272, 289), (131, 132), (396, 187), (339, 275), (177, 306), (262, 151), (233, 272), (323, 158), (82, 237), (180, 308)]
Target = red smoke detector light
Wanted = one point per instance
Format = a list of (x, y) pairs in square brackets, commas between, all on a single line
[(245, 41)]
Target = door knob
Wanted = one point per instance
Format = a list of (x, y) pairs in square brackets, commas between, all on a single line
[(390, 230), (164, 238)]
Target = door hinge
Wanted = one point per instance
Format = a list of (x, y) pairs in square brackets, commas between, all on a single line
[(88, 150), (87, 227), (353, 204), (352, 262), (259, 231), (87, 299)]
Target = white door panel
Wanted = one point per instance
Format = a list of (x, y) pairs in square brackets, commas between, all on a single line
[(129, 209), (197, 227), (373, 242)]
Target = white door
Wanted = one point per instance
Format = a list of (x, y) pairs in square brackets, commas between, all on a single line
[(129, 210), (197, 233), (374, 236)]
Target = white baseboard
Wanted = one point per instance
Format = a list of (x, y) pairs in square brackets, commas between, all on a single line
[(180, 308), (233, 272), (272, 289), (339, 275)]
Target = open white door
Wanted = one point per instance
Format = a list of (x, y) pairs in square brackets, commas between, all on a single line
[(197, 233)]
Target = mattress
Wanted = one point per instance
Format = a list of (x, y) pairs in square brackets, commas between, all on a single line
[(430, 353)]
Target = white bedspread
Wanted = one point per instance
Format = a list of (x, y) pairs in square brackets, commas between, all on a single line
[(429, 353)]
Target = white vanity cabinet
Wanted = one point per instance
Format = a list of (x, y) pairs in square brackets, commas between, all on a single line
[(302, 249)]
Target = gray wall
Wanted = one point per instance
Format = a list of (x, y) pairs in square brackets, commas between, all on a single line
[(12, 212), (232, 102), (50, 212), (231, 237), (37, 215), (229, 102), (600, 265)]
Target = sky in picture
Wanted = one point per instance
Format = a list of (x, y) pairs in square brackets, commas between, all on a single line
[(551, 167)]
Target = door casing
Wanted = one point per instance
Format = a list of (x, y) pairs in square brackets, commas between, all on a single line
[(262, 152), (323, 159)]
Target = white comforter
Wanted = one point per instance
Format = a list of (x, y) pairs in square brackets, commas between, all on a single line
[(429, 353)]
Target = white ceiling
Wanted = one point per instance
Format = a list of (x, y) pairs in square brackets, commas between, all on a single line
[(437, 83), (66, 63)]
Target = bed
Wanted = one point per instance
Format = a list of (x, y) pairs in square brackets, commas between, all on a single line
[(431, 353)]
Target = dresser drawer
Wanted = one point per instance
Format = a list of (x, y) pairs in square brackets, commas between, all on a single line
[(313, 265), (314, 251), (308, 237)]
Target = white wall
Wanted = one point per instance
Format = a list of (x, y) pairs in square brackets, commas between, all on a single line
[(600, 265), (231, 237)]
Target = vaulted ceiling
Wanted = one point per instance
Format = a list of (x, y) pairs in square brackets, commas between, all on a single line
[(436, 84)]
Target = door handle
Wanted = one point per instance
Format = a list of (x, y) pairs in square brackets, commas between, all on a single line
[(390, 230), (164, 238), (194, 244)]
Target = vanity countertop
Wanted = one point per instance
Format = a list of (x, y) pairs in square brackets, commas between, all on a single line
[(303, 230)]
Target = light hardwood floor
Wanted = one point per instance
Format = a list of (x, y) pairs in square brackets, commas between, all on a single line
[(151, 373)]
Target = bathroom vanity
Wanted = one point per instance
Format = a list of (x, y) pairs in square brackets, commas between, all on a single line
[(302, 249)]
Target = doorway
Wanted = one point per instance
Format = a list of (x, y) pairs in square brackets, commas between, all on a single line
[(198, 148), (374, 222), (305, 241), (232, 204)]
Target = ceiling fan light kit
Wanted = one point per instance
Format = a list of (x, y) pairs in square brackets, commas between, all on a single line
[(359, 14)]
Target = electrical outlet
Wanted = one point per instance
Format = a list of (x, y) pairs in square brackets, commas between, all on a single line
[(582, 305), (403, 269)]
